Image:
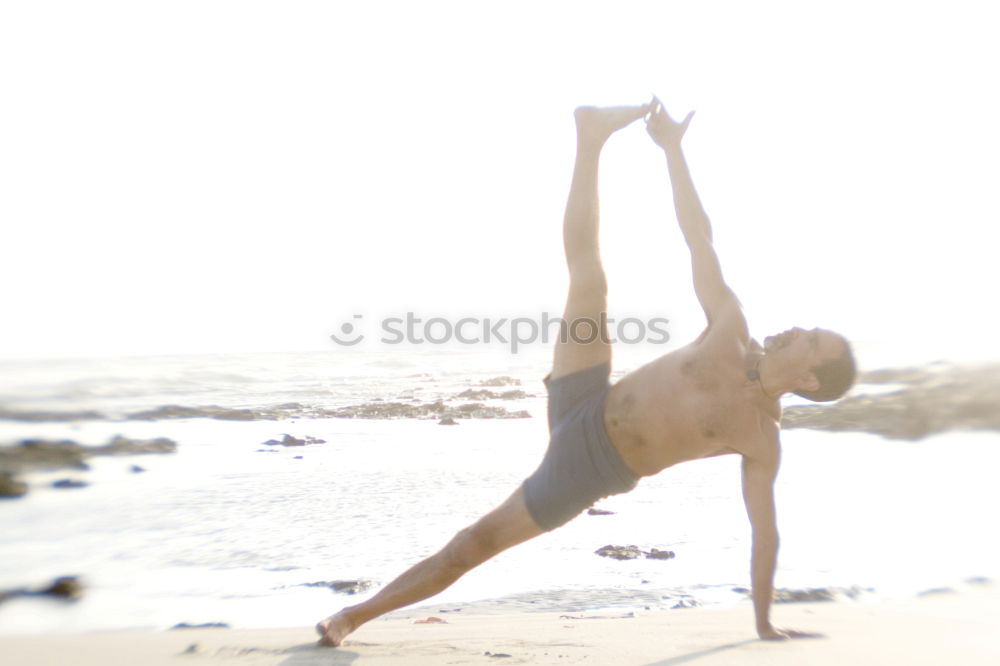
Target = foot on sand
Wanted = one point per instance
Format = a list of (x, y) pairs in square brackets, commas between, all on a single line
[(333, 629)]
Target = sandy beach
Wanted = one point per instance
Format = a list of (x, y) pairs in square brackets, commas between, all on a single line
[(941, 628)]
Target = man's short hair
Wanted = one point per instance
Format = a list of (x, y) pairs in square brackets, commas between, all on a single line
[(835, 376)]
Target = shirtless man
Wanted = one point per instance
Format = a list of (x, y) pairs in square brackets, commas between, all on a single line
[(718, 395)]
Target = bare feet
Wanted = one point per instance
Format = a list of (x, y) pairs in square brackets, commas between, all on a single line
[(334, 629), (598, 123)]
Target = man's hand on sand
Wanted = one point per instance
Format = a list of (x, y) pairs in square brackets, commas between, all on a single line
[(666, 132), (595, 124), (775, 634)]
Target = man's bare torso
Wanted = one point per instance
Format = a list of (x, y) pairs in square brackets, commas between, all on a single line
[(692, 403)]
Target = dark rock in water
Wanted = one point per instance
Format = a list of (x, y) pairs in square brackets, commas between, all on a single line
[(936, 591), (375, 409), (298, 457), (283, 411), (206, 625), (978, 580), (11, 487), (619, 552), (485, 394), (121, 446), (599, 512), (136, 469), (447, 421), (350, 586), (343, 586), (69, 483), (49, 417), (428, 410), (46, 454), (501, 381), (787, 596), (42, 454), (855, 592), (633, 552), (65, 587), (686, 603), (288, 440), (384, 410), (208, 412)]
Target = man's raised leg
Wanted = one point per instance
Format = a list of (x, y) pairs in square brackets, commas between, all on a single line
[(583, 342), (506, 526), (510, 523)]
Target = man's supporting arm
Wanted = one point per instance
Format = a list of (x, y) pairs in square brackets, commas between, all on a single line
[(758, 494)]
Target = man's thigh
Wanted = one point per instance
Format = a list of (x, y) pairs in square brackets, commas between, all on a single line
[(583, 340)]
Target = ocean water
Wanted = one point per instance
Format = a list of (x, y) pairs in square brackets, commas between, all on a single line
[(228, 530)]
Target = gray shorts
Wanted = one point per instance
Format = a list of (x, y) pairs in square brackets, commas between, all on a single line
[(581, 465)]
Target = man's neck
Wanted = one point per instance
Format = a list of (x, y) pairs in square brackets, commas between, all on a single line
[(765, 382)]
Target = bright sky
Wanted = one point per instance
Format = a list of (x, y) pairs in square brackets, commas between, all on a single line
[(238, 176)]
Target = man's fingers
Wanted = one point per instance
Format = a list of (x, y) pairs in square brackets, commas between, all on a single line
[(651, 111), (687, 120)]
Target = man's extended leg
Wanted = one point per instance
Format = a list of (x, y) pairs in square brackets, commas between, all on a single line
[(511, 523), (583, 342), (506, 526)]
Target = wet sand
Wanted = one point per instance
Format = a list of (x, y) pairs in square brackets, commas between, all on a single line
[(952, 628)]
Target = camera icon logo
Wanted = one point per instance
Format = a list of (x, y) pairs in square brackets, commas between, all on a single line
[(348, 329)]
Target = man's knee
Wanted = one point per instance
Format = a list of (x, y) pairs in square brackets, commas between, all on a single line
[(588, 282), (469, 548)]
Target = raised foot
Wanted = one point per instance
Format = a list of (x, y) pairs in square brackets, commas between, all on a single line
[(601, 122), (333, 630)]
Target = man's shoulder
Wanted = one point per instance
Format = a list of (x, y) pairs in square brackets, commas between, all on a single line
[(727, 335)]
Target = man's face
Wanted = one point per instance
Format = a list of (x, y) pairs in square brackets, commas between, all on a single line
[(804, 348)]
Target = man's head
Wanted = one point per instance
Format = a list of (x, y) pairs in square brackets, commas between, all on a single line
[(817, 365)]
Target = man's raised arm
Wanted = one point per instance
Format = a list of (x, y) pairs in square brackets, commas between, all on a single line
[(713, 293)]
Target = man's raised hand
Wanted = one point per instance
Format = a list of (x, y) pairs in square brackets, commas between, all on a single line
[(666, 132)]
